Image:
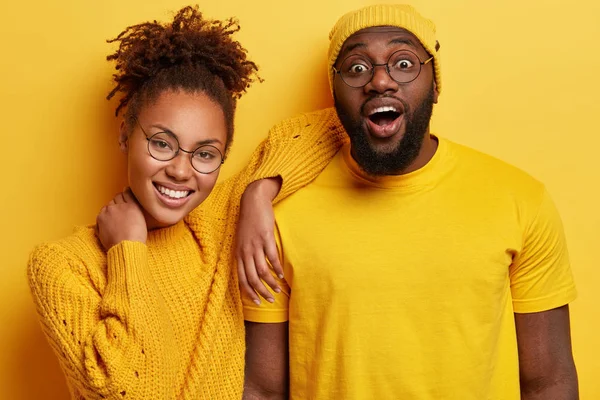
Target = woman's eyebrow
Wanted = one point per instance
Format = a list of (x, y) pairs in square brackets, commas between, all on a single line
[(162, 128), (198, 143), (208, 141)]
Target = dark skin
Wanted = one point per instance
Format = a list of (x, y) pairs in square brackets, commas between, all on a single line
[(377, 44), (547, 369), (266, 374)]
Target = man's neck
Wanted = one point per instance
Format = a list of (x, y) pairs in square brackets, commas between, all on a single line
[(426, 153)]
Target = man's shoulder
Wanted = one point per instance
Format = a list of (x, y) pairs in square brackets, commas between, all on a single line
[(489, 167), (491, 176)]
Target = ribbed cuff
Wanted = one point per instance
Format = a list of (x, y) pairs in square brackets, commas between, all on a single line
[(127, 268)]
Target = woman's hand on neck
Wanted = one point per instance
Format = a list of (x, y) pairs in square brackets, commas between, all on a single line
[(121, 219)]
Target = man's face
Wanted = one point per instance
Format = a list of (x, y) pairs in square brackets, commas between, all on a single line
[(385, 120)]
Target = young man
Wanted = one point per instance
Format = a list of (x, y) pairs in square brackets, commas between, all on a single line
[(416, 268)]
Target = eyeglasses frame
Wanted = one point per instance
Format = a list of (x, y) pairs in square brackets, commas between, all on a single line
[(191, 153), (387, 68)]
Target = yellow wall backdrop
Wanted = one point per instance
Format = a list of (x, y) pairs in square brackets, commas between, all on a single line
[(520, 81)]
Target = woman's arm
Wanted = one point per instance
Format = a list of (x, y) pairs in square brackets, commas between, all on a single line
[(108, 340), (110, 329), (295, 151), (256, 241), (299, 148)]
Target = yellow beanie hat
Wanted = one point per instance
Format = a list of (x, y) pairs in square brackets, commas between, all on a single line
[(397, 15)]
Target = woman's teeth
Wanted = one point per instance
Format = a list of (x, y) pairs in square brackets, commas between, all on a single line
[(175, 194)]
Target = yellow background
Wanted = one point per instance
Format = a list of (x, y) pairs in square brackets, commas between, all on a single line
[(520, 81)]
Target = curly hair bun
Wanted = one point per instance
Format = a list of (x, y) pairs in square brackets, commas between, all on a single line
[(189, 42)]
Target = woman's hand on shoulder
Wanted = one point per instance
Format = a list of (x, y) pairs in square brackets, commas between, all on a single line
[(121, 219), (255, 241)]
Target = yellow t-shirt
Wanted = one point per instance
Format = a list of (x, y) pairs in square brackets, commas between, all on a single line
[(404, 287)]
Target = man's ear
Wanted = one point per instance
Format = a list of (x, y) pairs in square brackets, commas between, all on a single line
[(123, 137), (435, 93)]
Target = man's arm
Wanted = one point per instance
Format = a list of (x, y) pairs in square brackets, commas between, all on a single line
[(266, 375), (547, 369)]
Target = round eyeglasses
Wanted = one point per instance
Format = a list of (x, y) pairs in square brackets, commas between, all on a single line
[(164, 146), (403, 66)]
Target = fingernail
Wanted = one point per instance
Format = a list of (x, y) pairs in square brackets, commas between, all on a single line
[(280, 276), (277, 290), (257, 302), (271, 300)]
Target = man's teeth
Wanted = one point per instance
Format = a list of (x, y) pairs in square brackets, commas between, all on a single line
[(176, 194), (383, 109)]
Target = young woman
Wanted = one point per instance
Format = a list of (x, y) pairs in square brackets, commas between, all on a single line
[(145, 304)]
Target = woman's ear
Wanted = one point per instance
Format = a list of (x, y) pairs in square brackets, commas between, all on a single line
[(123, 137)]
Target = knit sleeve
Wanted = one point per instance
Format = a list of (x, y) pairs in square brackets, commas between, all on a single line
[(297, 150), (113, 341)]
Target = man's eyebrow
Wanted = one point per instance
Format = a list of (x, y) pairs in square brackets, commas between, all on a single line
[(402, 41), (198, 144), (351, 47), (360, 45)]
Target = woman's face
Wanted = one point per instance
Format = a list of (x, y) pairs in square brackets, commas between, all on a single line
[(170, 190)]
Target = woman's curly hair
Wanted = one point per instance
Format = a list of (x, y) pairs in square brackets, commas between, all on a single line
[(190, 53)]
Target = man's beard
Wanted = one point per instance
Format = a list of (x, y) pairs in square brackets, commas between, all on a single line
[(393, 162)]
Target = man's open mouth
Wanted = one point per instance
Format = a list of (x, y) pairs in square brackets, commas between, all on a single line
[(385, 115)]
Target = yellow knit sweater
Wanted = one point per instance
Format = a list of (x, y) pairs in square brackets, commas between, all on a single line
[(163, 320)]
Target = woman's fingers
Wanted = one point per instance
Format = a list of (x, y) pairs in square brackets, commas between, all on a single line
[(273, 256), (245, 287), (254, 280)]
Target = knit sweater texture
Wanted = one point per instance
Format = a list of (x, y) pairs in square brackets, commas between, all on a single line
[(163, 320)]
